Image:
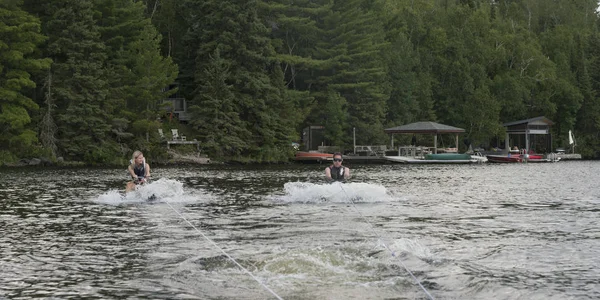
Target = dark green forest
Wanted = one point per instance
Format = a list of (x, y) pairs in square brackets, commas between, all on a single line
[(85, 79)]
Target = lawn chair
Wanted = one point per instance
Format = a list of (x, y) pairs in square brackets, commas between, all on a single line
[(175, 134), (161, 134)]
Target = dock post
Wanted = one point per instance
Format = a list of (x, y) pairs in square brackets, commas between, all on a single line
[(456, 135), (354, 138), (507, 143)]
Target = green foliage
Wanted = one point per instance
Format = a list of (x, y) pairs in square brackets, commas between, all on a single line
[(354, 40), (20, 37), (7, 157), (335, 118), (256, 72), (141, 127), (82, 113), (216, 115), (107, 74), (245, 67), (137, 72)]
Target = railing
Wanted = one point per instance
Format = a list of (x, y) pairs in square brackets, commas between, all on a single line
[(376, 150), (414, 151)]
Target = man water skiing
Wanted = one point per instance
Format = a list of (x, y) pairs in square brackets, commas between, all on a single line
[(337, 172)]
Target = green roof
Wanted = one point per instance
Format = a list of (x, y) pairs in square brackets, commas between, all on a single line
[(424, 127)]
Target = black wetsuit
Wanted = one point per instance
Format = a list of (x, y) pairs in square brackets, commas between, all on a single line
[(337, 173)]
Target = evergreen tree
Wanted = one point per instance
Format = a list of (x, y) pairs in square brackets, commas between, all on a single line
[(48, 128), (222, 132), (588, 118), (336, 113), (138, 71), (354, 42), (168, 17), (79, 83), (233, 27), (410, 61), (294, 35), (21, 36), (151, 72)]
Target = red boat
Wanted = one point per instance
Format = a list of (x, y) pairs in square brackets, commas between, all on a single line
[(516, 158), (313, 156)]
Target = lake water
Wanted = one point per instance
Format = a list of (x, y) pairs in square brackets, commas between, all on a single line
[(519, 231)]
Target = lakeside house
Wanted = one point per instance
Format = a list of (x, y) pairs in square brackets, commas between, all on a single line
[(176, 104)]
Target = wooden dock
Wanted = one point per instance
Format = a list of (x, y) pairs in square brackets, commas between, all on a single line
[(568, 156), (365, 159), (180, 142)]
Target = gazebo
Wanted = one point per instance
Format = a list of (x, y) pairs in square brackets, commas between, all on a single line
[(538, 125), (425, 128)]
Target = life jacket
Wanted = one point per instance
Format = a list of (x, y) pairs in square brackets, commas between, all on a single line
[(337, 173), (140, 170)]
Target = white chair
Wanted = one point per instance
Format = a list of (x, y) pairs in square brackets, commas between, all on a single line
[(161, 134), (175, 134)]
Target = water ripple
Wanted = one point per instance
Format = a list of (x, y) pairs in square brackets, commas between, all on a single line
[(526, 231)]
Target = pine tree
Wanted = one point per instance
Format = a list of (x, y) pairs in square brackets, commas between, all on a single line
[(354, 40), (79, 84), (294, 34), (408, 60), (151, 71), (222, 131), (138, 71), (588, 118), (48, 128), (335, 109), (167, 17), (233, 27), (21, 36)]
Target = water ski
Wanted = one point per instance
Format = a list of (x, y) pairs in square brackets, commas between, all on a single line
[(151, 198)]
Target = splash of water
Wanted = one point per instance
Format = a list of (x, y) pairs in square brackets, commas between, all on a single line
[(306, 192), (413, 247), (161, 190)]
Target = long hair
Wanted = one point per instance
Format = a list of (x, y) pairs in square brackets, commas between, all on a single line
[(134, 156)]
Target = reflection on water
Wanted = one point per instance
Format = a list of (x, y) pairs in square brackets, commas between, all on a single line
[(526, 231)]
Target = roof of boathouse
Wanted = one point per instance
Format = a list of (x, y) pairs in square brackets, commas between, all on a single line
[(424, 127), (537, 125), (533, 121)]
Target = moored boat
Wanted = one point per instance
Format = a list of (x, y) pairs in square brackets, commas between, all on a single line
[(517, 158), (442, 158), (313, 156), (505, 158), (448, 156)]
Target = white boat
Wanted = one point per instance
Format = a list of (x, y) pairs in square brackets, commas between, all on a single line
[(447, 158), (415, 154)]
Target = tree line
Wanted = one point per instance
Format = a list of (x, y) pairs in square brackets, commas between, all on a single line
[(85, 79)]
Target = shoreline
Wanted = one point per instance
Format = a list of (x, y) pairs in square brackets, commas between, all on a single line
[(175, 159)]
